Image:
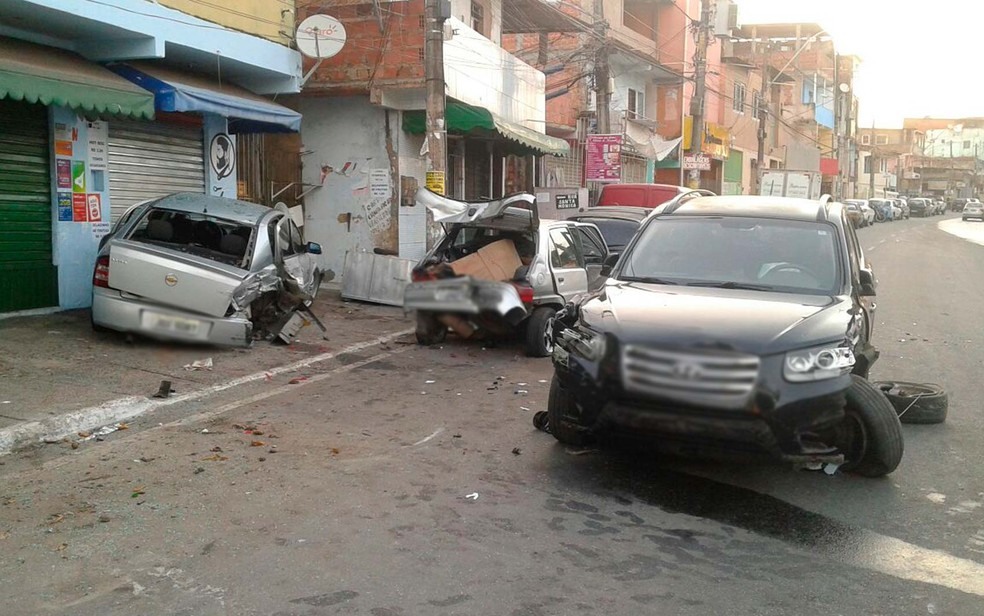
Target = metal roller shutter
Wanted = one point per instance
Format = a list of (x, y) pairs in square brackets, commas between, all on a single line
[(152, 160), (28, 279)]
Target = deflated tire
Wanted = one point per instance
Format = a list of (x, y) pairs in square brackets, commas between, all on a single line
[(870, 436), (916, 403)]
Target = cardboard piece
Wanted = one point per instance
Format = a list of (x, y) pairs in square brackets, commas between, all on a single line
[(498, 261)]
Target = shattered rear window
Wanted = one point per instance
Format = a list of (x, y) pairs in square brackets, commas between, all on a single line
[(201, 235)]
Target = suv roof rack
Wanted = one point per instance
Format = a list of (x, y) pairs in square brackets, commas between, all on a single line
[(682, 198), (825, 202)]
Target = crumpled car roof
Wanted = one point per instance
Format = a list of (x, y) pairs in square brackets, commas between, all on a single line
[(242, 212)]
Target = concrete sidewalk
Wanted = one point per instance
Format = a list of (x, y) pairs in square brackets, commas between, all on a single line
[(55, 371)]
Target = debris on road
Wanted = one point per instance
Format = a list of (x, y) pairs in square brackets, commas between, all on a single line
[(473, 496), (296, 380), (215, 458), (522, 392), (200, 364), (137, 492), (200, 469), (257, 444), (541, 421), (517, 451), (164, 391)]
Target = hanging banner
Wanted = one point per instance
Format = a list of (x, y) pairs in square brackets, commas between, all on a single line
[(603, 158)]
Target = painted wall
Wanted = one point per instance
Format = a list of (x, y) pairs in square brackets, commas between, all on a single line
[(266, 18), (413, 218), (461, 10), (354, 159), (80, 202), (479, 72)]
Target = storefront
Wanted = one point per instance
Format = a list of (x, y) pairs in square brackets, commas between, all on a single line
[(49, 98), (488, 157)]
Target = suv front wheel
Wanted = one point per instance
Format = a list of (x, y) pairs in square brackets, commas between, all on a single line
[(870, 436)]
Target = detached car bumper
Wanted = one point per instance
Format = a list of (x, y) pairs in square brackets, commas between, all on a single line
[(112, 310), (466, 296)]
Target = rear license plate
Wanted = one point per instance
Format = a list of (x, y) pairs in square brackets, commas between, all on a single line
[(169, 323)]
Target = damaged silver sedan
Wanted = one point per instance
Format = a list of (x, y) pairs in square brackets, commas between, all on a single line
[(204, 269)]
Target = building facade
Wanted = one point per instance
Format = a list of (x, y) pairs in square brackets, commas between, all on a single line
[(104, 105)]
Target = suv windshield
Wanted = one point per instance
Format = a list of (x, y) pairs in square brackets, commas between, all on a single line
[(764, 254)]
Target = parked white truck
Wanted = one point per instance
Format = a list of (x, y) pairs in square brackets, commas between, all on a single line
[(789, 183)]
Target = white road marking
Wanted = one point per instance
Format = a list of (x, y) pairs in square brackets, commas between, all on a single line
[(122, 409), (424, 440)]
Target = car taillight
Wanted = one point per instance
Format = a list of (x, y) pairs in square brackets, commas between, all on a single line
[(525, 292), (100, 275)]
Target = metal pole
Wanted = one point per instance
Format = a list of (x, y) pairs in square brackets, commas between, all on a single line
[(871, 157), (602, 72), (434, 76), (700, 84), (763, 115)]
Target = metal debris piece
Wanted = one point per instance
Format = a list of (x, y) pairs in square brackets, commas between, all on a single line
[(200, 364)]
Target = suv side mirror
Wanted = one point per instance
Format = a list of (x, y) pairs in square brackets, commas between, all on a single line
[(609, 263), (867, 283), (313, 248)]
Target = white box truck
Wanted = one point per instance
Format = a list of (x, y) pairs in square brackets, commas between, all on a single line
[(790, 183)]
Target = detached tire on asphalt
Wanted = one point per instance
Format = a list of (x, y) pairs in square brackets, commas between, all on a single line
[(916, 403), (429, 329), (559, 407), (870, 436), (539, 332)]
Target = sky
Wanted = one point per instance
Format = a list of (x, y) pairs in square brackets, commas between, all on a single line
[(918, 59)]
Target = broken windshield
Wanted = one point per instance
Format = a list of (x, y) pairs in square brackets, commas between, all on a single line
[(201, 235)]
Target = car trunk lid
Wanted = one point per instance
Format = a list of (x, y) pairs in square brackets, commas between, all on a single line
[(514, 213), (172, 278)]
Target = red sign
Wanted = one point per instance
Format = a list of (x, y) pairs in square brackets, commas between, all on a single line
[(828, 166), (603, 158), (80, 211), (95, 208)]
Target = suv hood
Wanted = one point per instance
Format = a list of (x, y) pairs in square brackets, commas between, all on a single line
[(513, 213), (754, 322)]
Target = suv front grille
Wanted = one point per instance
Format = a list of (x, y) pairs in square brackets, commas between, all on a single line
[(721, 380)]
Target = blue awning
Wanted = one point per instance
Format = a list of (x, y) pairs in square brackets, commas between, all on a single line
[(179, 92)]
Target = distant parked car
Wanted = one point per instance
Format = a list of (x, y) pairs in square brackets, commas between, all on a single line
[(973, 210), (903, 206), (617, 224), (921, 207), (639, 195), (866, 210), (855, 215)]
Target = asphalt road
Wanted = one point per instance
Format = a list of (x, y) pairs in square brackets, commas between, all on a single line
[(405, 480)]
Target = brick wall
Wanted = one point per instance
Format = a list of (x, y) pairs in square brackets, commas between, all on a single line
[(393, 57)]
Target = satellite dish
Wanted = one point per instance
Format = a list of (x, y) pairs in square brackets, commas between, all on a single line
[(320, 36)]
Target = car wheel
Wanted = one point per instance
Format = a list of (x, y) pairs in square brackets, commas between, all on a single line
[(916, 403), (560, 407), (870, 435), (539, 332), (429, 329)]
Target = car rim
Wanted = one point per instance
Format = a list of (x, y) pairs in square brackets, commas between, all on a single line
[(851, 438), (548, 335)]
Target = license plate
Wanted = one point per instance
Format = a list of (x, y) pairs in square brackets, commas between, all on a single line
[(172, 324)]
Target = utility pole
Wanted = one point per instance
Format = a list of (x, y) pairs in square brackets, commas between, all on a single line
[(764, 98), (700, 84), (435, 13), (838, 133), (873, 160), (603, 94)]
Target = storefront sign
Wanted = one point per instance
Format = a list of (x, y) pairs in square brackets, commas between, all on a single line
[(80, 212), (98, 148), (99, 229), (435, 182), (567, 202), (65, 207), (94, 203), (699, 162), (379, 184), (222, 156), (78, 177), (603, 155), (63, 148), (64, 172)]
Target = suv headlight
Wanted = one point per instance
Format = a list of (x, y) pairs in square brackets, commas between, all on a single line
[(818, 363)]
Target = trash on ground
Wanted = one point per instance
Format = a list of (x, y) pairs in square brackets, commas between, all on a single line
[(104, 431), (137, 492), (216, 449), (204, 430), (257, 444), (517, 451), (830, 469), (429, 382), (200, 469), (541, 421), (521, 392), (215, 458), (164, 391), (296, 380), (200, 364), (473, 496)]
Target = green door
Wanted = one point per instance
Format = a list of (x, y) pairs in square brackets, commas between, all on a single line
[(27, 277)]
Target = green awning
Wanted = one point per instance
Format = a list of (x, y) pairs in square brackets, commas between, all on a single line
[(467, 119), (39, 74)]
